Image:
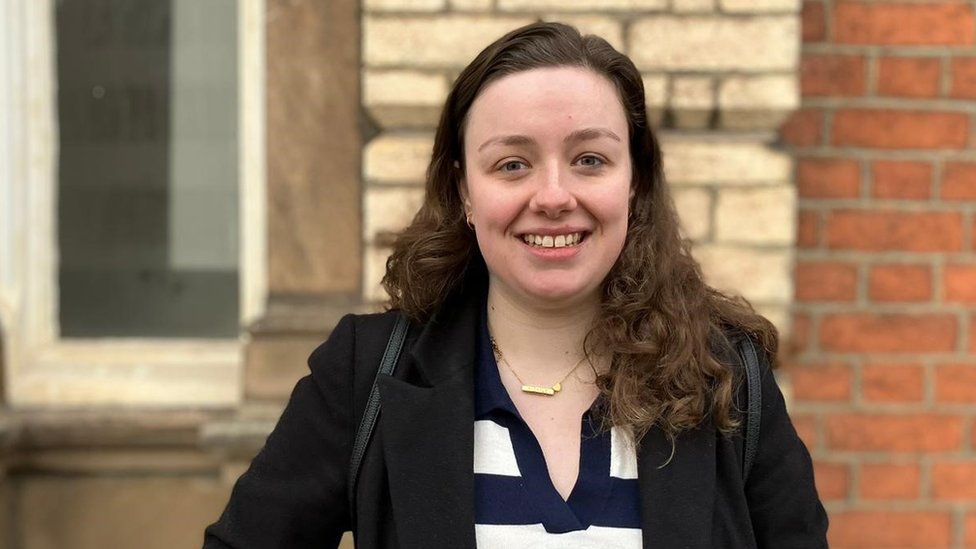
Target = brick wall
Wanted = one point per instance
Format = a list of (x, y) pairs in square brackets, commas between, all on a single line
[(721, 76), (884, 377)]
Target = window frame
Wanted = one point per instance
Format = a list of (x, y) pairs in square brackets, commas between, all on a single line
[(45, 371)]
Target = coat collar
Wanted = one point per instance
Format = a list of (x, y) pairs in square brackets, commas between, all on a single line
[(427, 430), (446, 344)]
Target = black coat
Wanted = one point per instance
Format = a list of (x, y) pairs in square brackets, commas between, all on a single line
[(416, 487)]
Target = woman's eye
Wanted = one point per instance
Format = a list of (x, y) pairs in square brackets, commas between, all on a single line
[(590, 161), (512, 165)]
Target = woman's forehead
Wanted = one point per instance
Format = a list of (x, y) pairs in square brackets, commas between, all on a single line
[(553, 102)]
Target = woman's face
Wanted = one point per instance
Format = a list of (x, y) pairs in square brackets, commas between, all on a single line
[(547, 179)]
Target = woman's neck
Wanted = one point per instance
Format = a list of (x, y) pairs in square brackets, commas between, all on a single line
[(539, 341)]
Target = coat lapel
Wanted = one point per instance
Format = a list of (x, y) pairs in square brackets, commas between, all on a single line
[(677, 499), (427, 431)]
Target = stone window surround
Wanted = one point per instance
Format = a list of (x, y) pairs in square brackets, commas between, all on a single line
[(40, 369), (305, 227)]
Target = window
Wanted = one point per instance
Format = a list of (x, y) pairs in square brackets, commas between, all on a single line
[(147, 168), (132, 176)]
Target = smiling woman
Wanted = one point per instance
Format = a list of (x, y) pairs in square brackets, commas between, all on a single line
[(547, 241)]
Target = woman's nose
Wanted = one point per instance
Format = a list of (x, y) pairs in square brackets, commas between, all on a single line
[(553, 198)]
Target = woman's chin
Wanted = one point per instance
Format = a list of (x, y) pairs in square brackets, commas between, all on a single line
[(555, 294)]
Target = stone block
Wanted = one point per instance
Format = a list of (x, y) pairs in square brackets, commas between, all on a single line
[(107, 461), (692, 92), (405, 117), (275, 364), (404, 99), (786, 387), (445, 42), (397, 159), (375, 260), (655, 96), (694, 207), (404, 5), (757, 102), (724, 162), (761, 275), (87, 428), (608, 28), (779, 315), (471, 5), (235, 439), (125, 511), (655, 90), (692, 100), (709, 43), (403, 87), (582, 5), (760, 6), (692, 6), (762, 215), (232, 470), (390, 209)]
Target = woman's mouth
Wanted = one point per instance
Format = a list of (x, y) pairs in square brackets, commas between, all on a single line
[(554, 241)]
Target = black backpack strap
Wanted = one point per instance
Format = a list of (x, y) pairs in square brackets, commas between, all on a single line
[(372, 411), (747, 351)]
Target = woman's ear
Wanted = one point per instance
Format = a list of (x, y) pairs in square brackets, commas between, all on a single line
[(462, 187)]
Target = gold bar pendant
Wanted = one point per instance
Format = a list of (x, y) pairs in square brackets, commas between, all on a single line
[(535, 389)]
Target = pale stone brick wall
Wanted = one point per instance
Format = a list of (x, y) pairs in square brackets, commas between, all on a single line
[(720, 77)]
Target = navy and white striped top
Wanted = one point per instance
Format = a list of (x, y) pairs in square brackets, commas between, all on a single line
[(516, 504)]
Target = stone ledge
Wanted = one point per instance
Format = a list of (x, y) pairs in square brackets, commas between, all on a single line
[(100, 428), (303, 315), (281, 341), (227, 433), (241, 435)]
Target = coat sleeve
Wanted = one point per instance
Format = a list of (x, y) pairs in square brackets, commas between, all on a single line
[(294, 492), (783, 501)]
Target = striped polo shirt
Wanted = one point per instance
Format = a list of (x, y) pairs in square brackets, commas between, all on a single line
[(516, 504)]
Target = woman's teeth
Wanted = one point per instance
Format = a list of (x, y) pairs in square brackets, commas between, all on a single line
[(548, 241)]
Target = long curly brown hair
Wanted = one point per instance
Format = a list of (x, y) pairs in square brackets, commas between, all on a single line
[(663, 328)]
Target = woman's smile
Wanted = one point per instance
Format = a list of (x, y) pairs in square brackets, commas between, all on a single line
[(553, 245), (549, 241)]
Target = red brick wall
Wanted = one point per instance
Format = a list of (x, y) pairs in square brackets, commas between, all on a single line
[(884, 362)]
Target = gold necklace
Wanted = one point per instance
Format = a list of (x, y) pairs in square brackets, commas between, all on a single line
[(547, 390)]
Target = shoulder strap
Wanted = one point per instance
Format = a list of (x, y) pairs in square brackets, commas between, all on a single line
[(747, 351), (372, 411)]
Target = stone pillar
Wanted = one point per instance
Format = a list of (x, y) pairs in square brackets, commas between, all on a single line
[(314, 146)]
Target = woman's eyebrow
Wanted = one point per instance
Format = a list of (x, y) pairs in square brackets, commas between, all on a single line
[(587, 134), (508, 140)]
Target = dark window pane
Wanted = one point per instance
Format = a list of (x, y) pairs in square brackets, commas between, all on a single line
[(148, 168)]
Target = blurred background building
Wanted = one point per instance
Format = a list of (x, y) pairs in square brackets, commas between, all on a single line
[(192, 193)]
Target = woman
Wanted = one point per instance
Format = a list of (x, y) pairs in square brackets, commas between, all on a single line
[(568, 379)]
